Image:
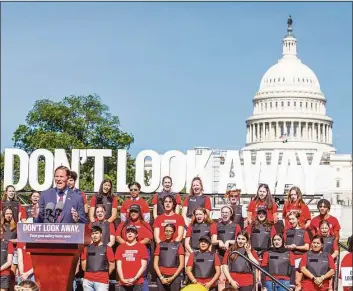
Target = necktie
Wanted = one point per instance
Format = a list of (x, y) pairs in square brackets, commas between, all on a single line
[(133, 199), (61, 198)]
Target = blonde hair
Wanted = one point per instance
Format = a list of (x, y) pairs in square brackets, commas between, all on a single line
[(299, 201), (206, 220), (191, 192)]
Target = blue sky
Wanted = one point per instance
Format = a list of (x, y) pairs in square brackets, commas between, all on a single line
[(178, 75)]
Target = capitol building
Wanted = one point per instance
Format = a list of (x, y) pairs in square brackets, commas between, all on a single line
[(289, 115)]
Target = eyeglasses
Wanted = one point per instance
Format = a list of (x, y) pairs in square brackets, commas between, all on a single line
[(233, 196), (134, 190)]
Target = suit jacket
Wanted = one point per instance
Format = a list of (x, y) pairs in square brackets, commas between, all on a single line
[(72, 201)]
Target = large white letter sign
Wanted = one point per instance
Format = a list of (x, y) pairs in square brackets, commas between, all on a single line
[(156, 170), (310, 171), (174, 165), (232, 159), (9, 168), (121, 172), (196, 167), (48, 173), (98, 165)]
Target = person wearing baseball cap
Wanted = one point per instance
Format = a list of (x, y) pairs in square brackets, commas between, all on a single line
[(204, 267), (131, 261)]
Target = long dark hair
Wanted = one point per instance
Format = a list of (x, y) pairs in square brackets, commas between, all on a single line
[(266, 223), (4, 196), (12, 223), (235, 246), (128, 219), (100, 193), (268, 200)]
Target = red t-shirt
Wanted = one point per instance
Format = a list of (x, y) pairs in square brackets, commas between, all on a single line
[(346, 267), (272, 232), (84, 197), (114, 202), (306, 241), (144, 230), (21, 210), (254, 205), (333, 222), (131, 257), (10, 251), (207, 206), (213, 229), (27, 260), (243, 279), (165, 270), (162, 220), (141, 202), (155, 199), (303, 209), (265, 262), (308, 284), (101, 277), (217, 263)]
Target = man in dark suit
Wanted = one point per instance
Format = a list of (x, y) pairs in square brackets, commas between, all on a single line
[(73, 207)]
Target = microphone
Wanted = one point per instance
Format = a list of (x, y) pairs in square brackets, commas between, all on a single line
[(58, 209), (48, 211)]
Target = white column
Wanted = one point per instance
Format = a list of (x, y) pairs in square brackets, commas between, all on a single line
[(256, 131), (292, 129), (270, 129), (326, 133), (251, 133), (300, 125), (330, 134)]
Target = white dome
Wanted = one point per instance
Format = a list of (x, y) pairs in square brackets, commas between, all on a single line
[(290, 73)]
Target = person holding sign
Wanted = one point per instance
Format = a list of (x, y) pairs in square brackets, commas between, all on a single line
[(157, 200), (131, 261), (347, 267), (61, 204), (97, 262), (317, 267)]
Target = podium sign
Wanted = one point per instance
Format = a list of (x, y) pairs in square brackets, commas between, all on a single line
[(51, 233)]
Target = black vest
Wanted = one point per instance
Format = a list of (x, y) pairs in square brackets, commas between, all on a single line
[(160, 196), (328, 244), (97, 260), (168, 254), (226, 231), (279, 263), (238, 215), (204, 265), (8, 234), (194, 202), (15, 205), (105, 230), (3, 250), (260, 238), (198, 230), (317, 263), (239, 265), (295, 236), (107, 203)]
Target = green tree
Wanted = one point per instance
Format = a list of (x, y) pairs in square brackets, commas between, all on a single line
[(75, 122)]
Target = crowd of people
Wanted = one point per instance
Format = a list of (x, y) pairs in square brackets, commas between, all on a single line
[(179, 240)]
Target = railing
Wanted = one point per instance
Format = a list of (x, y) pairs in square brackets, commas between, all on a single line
[(261, 270)]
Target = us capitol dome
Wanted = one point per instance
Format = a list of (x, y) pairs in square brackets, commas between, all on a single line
[(289, 109)]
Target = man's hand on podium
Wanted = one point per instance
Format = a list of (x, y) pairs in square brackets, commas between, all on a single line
[(75, 215)]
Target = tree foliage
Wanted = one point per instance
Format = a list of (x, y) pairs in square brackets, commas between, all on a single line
[(81, 122)]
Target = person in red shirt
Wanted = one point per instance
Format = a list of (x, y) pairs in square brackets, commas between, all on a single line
[(204, 267), (32, 210), (9, 198), (263, 198), (169, 261), (24, 263), (296, 239), (7, 252), (106, 197), (195, 199), (131, 261), (157, 200), (261, 230), (144, 231), (239, 210), (279, 262), (238, 271), (106, 226), (97, 262), (330, 243), (324, 207), (169, 216), (317, 267), (346, 269), (295, 202), (71, 184), (135, 188)]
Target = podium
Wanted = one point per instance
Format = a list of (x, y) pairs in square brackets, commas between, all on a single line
[(55, 249)]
